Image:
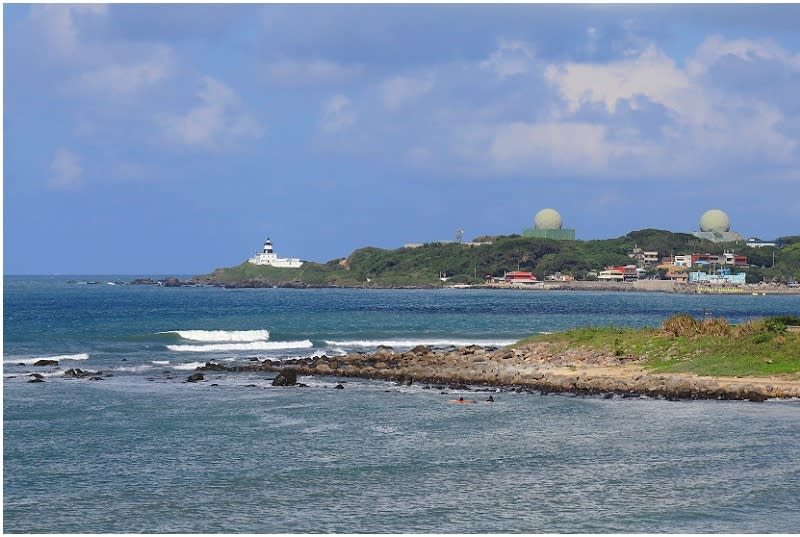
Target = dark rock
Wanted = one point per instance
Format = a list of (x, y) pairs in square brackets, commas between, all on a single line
[(40, 363), (420, 349), (95, 378), (195, 377), (36, 375), (339, 386), (287, 377), (211, 366), (36, 380)]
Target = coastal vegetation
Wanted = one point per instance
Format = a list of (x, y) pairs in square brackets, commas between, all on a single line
[(427, 264), (683, 344)]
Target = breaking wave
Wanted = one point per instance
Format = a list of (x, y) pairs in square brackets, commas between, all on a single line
[(59, 357), (221, 336), (252, 346)]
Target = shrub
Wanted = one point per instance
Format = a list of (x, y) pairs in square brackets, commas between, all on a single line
[(715, 327), (748, 328), (775, 324), (681, 325)]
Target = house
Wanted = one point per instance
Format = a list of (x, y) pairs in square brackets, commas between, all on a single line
[(518, 276), (613, 274)]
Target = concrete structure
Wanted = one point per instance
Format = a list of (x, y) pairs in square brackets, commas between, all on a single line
[(715, 226), (724, 277), (270, 258), (753, 242), (547, 225)]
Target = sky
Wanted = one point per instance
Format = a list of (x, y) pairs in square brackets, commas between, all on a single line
[(175, 138)]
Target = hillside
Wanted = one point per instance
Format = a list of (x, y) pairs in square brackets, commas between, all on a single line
[(423, 265)]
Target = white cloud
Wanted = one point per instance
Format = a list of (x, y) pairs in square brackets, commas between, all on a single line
[(571, 147), (58, 24), (404, 90), (217, 122), (652, 74), (66, 171), (117, 79), (510, 58), (716, 47), (337, 114), (310, 72)]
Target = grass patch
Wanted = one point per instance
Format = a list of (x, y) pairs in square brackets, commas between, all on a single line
[(685, 345)]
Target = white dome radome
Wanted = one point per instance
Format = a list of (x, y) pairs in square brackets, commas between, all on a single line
[(547, 219), (715, 220)]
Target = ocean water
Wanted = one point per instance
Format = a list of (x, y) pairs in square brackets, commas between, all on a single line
[(144, 451)]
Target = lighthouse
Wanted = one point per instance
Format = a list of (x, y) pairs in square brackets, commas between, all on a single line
[(270, 258)]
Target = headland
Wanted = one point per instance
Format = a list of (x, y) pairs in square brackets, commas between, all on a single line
[(683, 359)]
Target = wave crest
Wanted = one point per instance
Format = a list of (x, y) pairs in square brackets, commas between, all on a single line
[(59, 357), (252, 346), (221, 336)]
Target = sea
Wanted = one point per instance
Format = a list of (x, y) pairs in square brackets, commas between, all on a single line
[(141, 450)]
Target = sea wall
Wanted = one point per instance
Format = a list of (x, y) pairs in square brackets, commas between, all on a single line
[(534, 367)]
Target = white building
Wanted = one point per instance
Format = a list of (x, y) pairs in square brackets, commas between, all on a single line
[(269, 257)]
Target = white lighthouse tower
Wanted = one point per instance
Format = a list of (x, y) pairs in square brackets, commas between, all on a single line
[(269, 257)]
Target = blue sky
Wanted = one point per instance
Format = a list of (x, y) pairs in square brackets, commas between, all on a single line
[(175, 138)]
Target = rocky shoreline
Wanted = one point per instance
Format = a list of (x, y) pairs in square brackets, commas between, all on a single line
[(660, 286), (534, 367)]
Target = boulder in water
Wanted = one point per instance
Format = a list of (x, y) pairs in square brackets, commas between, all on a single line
[(195, 377), (287, 377), (40, 363)]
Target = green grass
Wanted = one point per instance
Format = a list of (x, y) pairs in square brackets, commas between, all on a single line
[(752, 349)]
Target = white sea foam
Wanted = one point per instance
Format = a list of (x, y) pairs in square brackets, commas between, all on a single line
[(59, 357), (160, 362), (252, 346), (221, 336), (409, 343), (189, 366)]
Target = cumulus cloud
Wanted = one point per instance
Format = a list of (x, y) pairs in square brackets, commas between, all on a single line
[(59, 24), (337, 114), (512, 57), (642, 114), (217, 122), (399, 91), (716, 47), (651, 74), (66, 172), (117, 79), (319, 71)]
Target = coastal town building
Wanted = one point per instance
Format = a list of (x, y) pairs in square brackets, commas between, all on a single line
[(270, 258), (645, 259), (626, 273), (519, 276)]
